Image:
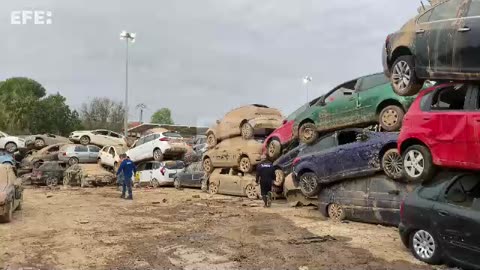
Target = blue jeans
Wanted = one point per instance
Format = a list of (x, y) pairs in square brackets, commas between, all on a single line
[(127, 185)]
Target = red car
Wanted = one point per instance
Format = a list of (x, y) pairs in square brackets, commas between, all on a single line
[(441, 128)]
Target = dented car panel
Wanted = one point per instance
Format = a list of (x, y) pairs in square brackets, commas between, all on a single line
[(11, 192), (345, 154), (229, 152), (232, 182), (373, 199), (49, 153)]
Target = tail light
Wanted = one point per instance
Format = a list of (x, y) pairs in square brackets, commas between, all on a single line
[(164, 139), (402, 209), (162, 170), (296, 160), (64, 153)]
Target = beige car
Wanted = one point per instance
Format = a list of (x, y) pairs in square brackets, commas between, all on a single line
[(11, 193), (230, 181), (247, 121), (236, 153)]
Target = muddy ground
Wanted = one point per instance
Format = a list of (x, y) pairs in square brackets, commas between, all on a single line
[(171, 229)]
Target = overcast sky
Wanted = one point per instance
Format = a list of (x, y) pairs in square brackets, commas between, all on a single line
[(200, 58)]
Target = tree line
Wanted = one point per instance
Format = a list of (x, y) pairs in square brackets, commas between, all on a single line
[(25, 108)]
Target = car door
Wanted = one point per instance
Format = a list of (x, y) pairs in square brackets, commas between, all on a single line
[(110, 156), (134, 152), (93, 151), (458, 219), (140, 169), (116, 139), (198, 174), (352, 196), (369, 92), (465, 55), (226, 185), (384, 199), (99, 137), (422, 33), (186, 176), (147, 173), (146, 150), (338, 108), (81, 152)]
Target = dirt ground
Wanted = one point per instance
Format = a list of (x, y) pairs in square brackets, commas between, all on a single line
[(187, 229)]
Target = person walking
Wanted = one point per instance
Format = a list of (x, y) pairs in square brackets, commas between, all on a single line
[(127, 167), (266, 176)]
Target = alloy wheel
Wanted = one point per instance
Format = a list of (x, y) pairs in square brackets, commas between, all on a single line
[(308, 183), (336, 212), (414, 163), (401, 75), (213, 188), (245, 164), (424, 244), (390, 118), (392, 162), (207, 165), (251, 191)]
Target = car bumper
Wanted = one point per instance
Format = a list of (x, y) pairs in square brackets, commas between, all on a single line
[(404, 234)]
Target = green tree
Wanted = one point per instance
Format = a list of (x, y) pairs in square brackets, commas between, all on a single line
[(162, 116), (102, 113)]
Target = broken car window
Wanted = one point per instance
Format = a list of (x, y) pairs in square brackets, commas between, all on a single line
[(464, 191), (450, 98), (347, 137), (225, 171), (445, 11)]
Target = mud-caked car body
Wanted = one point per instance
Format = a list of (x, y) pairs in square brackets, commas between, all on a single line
[(36, 158), (441, 43), (235, 152), (41, 140), (192, 176), (100, 137), (246, 121), (87, 175), (109, 156), (48, 173), (347, 154), (11, 143), (230, 181), (158, 146), (11, 193), (358, 103)]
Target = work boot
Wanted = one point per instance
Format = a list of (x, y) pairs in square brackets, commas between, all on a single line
[(122, 196), (129, 198), (269, 199), (264, 198)]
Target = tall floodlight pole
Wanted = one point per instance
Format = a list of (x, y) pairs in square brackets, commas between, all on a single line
[(141, 107), (128, 37), (306, 81)]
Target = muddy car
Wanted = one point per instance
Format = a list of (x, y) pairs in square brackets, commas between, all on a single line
[(246, 121), (193, 176), (439, 44), (235, 152), (86, 175), (345, 154), (100, 137), (11, 193), (230, 181), (36, 158), (374, 199), (39, 141), (48, 173), (11, 143), (358, 103)]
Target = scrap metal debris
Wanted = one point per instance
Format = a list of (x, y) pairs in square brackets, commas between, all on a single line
[(313, 239)]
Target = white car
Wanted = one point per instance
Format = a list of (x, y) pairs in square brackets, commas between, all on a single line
[(109, 156), (11, 143), (156, 174), (100, 137), (157, 146)]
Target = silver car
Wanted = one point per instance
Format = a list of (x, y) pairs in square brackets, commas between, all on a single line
[(76, 153)]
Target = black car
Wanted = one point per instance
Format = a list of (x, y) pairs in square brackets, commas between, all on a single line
[(191, 176), (440, 222), (374, 199), (441, 43), (49, 173)]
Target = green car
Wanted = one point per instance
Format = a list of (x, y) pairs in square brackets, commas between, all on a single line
[(361, 102)]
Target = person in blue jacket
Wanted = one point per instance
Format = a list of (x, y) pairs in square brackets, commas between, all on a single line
[(127, 167)]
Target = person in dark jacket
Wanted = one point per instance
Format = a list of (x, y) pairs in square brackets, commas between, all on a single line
[(127, 167), (266, 176)]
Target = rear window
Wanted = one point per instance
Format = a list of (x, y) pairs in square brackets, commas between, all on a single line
[(172, 135)]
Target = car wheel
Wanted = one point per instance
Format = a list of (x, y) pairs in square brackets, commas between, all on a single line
[(274, 149), (425, 247), (207, 165), (336, 212), (212, 188), (84, 140), (417, 164), (155, 183), (391, 117), (51, 181), (309, 184), (247, 131), (73, 161), (279, 178), (245, 165), (11, 147), (8, 214), (308, 133), (176, 183), (39, 143), (251, 192), (404, 79), (392, 164), (157, 155), (211, 140)]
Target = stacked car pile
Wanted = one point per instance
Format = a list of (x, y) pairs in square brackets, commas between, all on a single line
[(235, 148)]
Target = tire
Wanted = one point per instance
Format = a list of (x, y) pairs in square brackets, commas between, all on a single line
[(392, 164), (155, 183), (72, 161), (336, 212), (157, 155), (279, 178), (425, 247), (212, 188), (211, 139), (39, 143), (51, 181), (8, 215), (245, 165), (11, 147), (390, 118), (207, 165), (274, 149), (176, 183), (403, 77), (84, 140), (247, 131), (421, 170), (309, 184), (308, 133), (251, 192)]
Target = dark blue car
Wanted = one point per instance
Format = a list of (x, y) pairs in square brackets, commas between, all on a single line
[(346, 154)]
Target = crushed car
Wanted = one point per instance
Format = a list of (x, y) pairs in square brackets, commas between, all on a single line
[(344, 154), (230, 181), (109, 156), (235, 152), (48, 173), (39, 141), (99, 137), (11, 193), (11, 143), (247, 121), (85, 175), (36, 158), (438, 44), (358, 103)]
